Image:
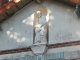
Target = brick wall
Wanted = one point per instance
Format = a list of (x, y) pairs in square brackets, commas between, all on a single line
[(2, 2), (51, 46)]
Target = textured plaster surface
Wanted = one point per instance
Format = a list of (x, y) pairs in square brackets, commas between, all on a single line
[(63, 24), (71, 52), (18, 29), (16, 55), (63, 27)]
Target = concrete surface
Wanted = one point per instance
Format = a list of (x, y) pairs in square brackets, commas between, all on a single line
[(18, 29)]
